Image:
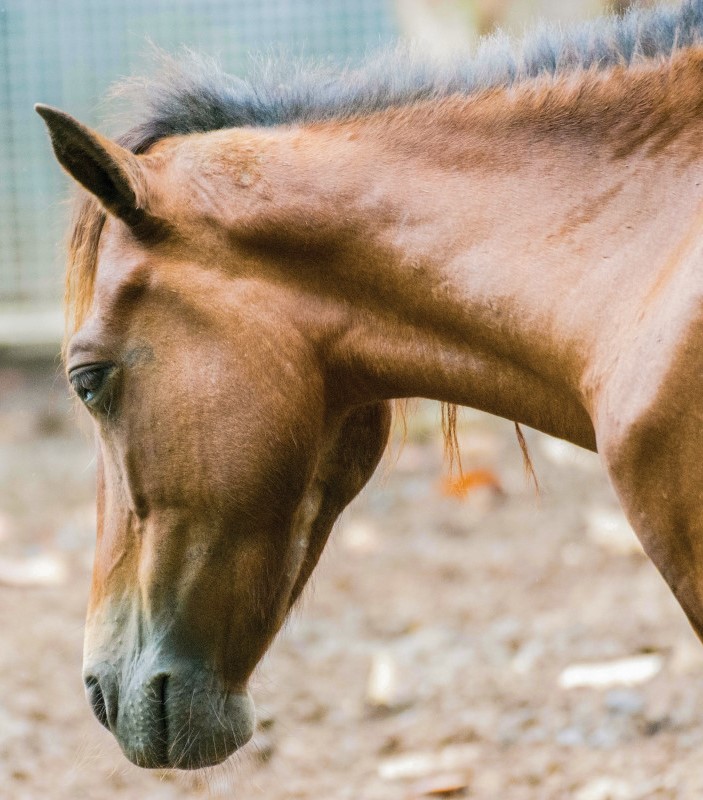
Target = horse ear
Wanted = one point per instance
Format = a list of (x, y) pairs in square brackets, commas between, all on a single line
[(110, 172)]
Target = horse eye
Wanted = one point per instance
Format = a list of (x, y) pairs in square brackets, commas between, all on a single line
[(88, 383)]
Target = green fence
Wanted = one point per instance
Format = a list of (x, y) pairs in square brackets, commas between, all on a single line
[(68, 52)]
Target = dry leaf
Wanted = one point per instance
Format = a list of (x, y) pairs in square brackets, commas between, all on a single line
[(448, 785), (468, 482)]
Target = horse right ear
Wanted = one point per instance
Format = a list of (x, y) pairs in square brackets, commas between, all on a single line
[(110, 172)]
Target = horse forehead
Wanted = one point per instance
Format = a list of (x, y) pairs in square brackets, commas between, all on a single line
[(122, 279), (120, 255), (127, 268)]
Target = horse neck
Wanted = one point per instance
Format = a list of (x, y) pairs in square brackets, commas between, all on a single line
[(486, 256)]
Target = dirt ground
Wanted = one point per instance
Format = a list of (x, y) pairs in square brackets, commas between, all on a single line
[(427, 659)]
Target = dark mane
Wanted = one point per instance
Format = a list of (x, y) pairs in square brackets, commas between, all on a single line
[(192, 94)]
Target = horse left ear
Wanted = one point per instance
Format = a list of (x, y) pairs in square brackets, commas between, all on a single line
[(109, 171)]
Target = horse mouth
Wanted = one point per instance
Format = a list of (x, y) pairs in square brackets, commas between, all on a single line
[(190, 740)]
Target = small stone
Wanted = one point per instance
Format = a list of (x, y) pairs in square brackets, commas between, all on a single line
[(360, 536), (606, 737), (622, 701), (382, 684), (457, 758), (571, 737), (39, 571), (620, 672), (527, 657), (606, 789), (386, 692)]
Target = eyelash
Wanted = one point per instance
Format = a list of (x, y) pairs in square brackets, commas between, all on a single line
[(89, 382)]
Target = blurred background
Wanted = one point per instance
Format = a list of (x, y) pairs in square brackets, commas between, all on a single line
[(462, 638)]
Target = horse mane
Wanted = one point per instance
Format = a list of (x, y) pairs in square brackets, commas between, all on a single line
[(191, 94)]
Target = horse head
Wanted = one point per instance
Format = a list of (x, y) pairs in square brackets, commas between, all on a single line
[(224, 454)]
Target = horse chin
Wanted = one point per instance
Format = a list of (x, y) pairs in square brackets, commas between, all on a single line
[(209, 733)]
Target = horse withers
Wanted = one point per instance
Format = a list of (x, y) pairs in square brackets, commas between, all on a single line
[(257, 271)]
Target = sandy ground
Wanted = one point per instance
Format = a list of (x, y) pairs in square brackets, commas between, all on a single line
[(425, 660)]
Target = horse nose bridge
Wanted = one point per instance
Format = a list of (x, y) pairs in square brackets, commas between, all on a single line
[(173, 554), (147, 625)]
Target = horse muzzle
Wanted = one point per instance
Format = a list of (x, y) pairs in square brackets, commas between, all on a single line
[(169, 715)]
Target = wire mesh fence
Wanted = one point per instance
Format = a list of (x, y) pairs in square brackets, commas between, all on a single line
[(68, 53)]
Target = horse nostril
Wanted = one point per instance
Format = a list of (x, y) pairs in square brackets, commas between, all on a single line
[(158, 687), (96, 698)]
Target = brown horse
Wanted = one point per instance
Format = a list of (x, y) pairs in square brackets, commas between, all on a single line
[(256, 272)]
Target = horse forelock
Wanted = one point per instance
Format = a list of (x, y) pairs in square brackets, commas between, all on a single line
[(88, 221)]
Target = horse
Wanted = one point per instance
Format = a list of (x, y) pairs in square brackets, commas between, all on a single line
[(259, 269)]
